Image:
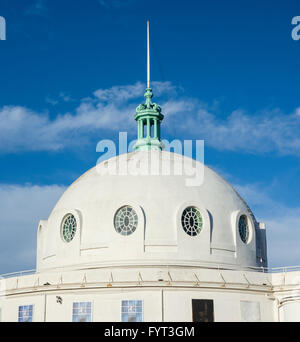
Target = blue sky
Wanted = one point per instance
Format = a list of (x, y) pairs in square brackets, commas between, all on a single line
[(227, 72)]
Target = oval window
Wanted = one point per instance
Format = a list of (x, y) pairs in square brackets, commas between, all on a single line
[(126, 221), (244, 228), (69, 227), (192, 221)]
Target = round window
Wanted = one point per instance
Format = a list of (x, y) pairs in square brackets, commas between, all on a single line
[(191, 221), (244, 228), (126, 220), (69, 227)]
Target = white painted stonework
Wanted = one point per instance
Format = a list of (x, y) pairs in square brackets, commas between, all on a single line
[(159, 264)]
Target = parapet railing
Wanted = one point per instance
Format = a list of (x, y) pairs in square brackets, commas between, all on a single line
[(17, 274), (283, 269), (220, 268), (257, 269)]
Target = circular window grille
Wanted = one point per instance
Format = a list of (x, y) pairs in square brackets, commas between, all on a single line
[(69, 227), (191, 221), (244, 228), (126, 220)]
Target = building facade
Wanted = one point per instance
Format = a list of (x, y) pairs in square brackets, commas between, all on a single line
[(145, 245)]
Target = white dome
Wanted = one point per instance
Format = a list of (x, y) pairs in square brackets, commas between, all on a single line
[(159, 238)]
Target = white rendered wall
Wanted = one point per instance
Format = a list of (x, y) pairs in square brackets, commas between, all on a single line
[(290, 312), (166, 293), (227, 305), (161, 304)]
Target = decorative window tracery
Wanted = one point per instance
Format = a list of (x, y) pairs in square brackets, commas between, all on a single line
[(126, 221), (69, 227), (244, 228), (192, 221)]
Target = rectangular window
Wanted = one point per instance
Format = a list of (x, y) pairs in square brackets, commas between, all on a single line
[(132, 311), (25, 313), (250, 311), (203, 310), (82, 312)]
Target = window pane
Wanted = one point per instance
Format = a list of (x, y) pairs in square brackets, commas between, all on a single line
[(25, 313), (125, 310), (132, 310), (203, 310), (139, 317), (131, 317), (82, 312), (124, 317)]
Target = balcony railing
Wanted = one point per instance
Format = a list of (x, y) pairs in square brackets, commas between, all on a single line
[(17, 274), (256, 269)]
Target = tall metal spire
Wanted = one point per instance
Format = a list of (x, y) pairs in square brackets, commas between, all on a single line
[(148, 55), (148, 115)]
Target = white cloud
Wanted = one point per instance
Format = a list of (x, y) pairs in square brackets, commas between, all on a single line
[(120, 93), (21, 209), (126, 93), (62, 97), (65, 97), (22, 129), (262, 132), (113, 109), (52, 101)]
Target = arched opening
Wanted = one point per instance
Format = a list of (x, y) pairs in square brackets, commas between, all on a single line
[(152, 128), (144, 128)]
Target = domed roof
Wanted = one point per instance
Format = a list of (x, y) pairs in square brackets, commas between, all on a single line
[(160, 228)]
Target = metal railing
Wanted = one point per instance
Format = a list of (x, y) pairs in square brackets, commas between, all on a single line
[(17, 274), (284, 269), (257, 269)]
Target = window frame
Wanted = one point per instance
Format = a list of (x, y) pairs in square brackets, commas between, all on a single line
[(136, 223), (196, 211), (248, 227), (62, 227), (133, 300), (195, 302), (91, 313), (32, 313)]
